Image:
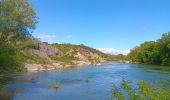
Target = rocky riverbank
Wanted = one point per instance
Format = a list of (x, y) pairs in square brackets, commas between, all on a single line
[(56, 66)]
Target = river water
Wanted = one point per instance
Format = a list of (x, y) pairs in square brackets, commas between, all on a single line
[(85, 83)]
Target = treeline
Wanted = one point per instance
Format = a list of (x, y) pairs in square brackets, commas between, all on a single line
[(152, 52), (119, 57), (17, 20)]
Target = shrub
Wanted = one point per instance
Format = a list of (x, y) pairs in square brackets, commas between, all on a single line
[(8, 57), (145, 91)]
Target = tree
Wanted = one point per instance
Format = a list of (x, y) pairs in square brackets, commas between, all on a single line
[(165, 43), (133, 55), (119, 57), (17, 19), (150, 52)]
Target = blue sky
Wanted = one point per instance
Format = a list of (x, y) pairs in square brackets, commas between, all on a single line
[(119, 24)]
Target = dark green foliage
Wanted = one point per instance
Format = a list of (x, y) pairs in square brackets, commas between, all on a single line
[(133, 55), (4, 80), (149, 52), (9, 58), (165, 43), (17, 20), (165, 60), (153, 52), (118, 57), (145, 91)]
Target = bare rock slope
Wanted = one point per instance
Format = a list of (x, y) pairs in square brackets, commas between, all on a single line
[(45, 51), (60, 56)]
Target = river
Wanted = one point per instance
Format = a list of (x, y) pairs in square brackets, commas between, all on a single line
[(85, 83)]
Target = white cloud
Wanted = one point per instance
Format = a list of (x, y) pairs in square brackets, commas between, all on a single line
[(68, 36), (113, 51), (46, 36)]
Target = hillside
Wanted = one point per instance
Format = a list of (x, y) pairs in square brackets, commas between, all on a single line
[(81, 52), (60, 56), (20, 51)]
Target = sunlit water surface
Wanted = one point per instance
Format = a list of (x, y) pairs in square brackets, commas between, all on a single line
[(86, 83)]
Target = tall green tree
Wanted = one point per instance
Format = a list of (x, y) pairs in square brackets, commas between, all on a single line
[(17, 19), (150, 52), (153, 52), (165, 43), (133, 55)]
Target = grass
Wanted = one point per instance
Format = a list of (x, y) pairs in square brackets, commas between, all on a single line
[(36, 59)]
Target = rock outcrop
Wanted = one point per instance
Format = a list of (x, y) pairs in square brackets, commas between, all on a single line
[(61, 56), (46, 51)]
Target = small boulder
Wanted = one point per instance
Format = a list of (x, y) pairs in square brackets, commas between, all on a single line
[(56, 85)]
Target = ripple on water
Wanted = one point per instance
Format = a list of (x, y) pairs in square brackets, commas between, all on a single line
[(86, 83)]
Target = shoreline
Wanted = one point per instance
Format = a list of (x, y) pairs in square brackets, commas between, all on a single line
[(57, 66)]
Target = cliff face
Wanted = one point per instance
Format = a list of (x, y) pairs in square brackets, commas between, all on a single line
[(46, 51), (59, 56)]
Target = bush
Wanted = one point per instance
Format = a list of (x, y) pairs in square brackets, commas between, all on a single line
[(65, 58), (10, 59), (145, 91), (165, 61)]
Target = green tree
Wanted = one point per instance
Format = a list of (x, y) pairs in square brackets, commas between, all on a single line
[(119, 57), (17, 19), (133, 55), (150, 52), (10, 59), (165, 43)]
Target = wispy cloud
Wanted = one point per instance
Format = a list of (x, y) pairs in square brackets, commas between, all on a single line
[(113, 51), (68, 36), (46, 36)]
